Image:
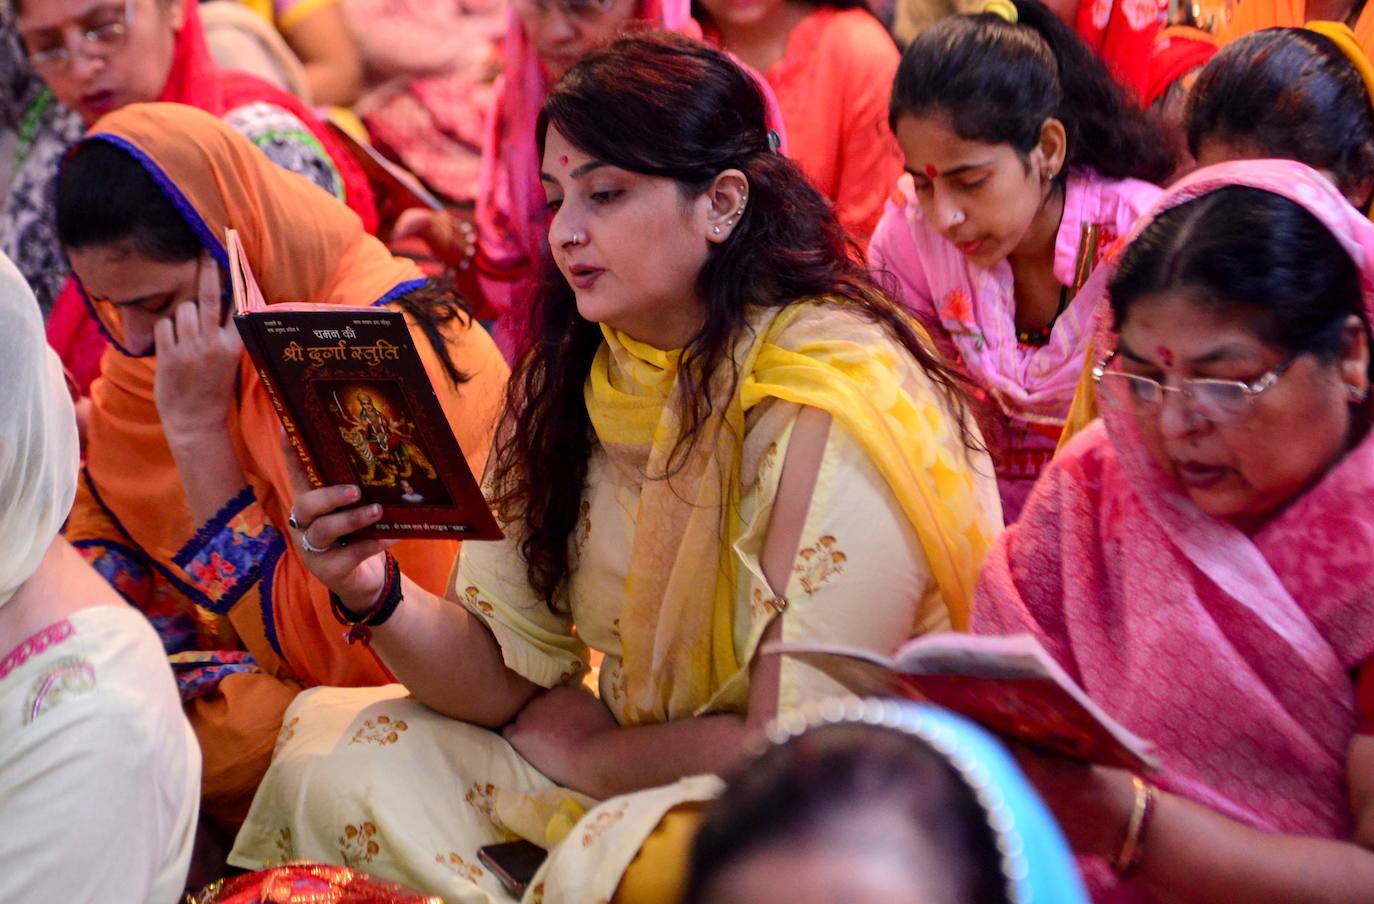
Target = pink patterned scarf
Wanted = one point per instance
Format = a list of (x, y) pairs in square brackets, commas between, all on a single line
[(1232, 652)]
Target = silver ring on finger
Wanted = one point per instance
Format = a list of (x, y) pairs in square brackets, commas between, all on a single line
[(311, 547), (291, 520)]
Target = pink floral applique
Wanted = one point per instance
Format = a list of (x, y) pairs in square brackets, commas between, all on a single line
[(50, 636), (957, 306), (956, 311)]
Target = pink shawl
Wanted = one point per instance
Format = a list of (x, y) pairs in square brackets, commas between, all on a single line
[(1232, 652)]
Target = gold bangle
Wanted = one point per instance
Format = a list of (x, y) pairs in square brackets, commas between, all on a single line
[(1132, 846)]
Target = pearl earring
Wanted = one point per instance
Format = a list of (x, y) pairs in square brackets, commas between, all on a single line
[(715, 230)]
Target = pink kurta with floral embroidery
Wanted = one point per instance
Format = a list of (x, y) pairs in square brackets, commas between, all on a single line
[(971, 314)]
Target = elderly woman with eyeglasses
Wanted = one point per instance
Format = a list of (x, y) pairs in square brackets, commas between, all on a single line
[(1201, 561), (95, 56)]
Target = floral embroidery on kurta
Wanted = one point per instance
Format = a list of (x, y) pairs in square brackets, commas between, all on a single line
[(382, 730), (765, 604), (819, 563), (454, 862), (482, 798), (956, 310), (358, 844), (473, 598), (600, 823), (285, 849), (225, 557)]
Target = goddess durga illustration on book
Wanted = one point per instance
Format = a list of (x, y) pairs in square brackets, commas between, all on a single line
[(381, 438)]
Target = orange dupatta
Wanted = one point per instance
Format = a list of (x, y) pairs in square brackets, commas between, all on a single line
[(1245, 16), (303, 246)]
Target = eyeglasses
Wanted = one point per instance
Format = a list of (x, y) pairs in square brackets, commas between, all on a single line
[(578, 9), (104, 32), (1217, 401)]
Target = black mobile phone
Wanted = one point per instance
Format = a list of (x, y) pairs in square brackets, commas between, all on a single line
[(513, 862)]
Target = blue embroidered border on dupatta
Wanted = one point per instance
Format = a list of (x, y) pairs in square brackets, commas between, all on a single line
[(183, 206)]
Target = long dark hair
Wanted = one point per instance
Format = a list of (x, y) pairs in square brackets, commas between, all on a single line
[(817, 778), (664, 105), (998, 82), (1284, 272), (105, 198), (1291, 93)]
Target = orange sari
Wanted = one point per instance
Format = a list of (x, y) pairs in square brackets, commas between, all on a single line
[(1245, 16), (236, 585)]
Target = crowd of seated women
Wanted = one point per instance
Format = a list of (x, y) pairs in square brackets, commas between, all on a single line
[(756, 329)]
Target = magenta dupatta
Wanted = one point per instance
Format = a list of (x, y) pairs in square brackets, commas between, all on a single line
[(1232, 652)]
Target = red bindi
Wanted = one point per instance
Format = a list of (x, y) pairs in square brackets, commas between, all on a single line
[(562, 159), (1165, 355), (931, 172)]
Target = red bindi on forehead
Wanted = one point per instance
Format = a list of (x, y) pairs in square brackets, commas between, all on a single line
[(931, 171), (1166, 355), (563, 160)]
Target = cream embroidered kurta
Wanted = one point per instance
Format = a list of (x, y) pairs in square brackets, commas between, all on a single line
[(371, 778), (99, 769)]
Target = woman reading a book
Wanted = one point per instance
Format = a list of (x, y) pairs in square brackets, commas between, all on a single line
[(1025, 161), (184, 499), (1201, 561), (95, 57), (722, 435)]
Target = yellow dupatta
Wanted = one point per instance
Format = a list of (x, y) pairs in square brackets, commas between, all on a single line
[(678, 653)]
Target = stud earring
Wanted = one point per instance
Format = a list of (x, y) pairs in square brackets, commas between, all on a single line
[(715, 230)]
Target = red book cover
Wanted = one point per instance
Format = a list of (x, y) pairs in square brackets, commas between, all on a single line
[(1009, 685), (358, 408)]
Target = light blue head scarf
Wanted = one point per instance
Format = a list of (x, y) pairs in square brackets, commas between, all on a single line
[(1037, 864)]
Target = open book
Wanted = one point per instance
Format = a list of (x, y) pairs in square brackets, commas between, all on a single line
[(358, 407), (1008, 684)]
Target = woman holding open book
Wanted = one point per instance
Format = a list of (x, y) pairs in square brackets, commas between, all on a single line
[(722, 435), (1202, 561), (184, 500)]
